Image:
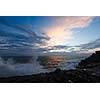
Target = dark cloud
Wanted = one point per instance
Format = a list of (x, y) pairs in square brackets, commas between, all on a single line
[(91, 45), (21, 38), (61, 47), (58, 47), (22, 28), (78, 48)]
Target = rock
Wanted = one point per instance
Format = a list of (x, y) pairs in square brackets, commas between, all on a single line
[(57, 70), (92, 61)]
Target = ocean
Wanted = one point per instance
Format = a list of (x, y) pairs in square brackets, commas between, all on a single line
[(19, 66), (62, 62)]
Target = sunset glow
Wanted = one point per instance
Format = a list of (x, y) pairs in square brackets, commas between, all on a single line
[(50, 34)]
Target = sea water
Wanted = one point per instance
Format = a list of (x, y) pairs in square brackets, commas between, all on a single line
[(43, 64), (62, 62)]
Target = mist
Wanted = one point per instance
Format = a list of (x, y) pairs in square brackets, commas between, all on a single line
[(19, 40), (9, 68)]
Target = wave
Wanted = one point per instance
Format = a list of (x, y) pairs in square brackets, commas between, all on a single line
[(9, 68)]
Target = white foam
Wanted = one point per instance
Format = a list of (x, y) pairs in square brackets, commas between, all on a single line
[(9, 68)]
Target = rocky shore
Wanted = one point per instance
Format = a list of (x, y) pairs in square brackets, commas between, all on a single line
[(88, 71)]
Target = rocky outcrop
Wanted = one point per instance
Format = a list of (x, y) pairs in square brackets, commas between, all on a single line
[(58, 76), (92, 61)]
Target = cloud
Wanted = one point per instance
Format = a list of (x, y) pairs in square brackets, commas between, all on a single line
[(74, 22), (60, 31), (15, 37), (86, 48), (90, 47), (25, 29)]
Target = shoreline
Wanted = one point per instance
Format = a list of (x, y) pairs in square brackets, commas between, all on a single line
[(87, 71)]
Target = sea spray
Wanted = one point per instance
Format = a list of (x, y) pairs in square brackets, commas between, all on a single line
[(9, 68)]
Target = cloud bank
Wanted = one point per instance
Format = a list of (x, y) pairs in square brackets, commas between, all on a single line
[(87, 48)]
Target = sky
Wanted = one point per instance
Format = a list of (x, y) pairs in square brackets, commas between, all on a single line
[(49, 34)]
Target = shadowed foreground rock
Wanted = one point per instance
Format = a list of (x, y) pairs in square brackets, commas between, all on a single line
[(58, 76), (88, 71)]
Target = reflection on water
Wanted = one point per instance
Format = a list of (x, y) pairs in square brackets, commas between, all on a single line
[(50, 62)]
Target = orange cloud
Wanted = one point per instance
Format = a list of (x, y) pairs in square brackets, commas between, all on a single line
[(61, 29)]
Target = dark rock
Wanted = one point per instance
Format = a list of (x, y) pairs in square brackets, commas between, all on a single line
[(92, 61), (57, 70)]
